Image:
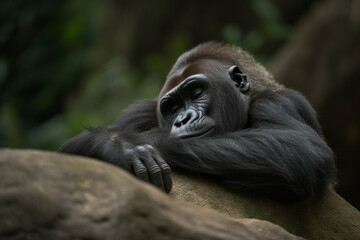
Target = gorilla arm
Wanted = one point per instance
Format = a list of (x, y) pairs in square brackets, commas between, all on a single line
[(117, 144), (280, 155), (93, 142)]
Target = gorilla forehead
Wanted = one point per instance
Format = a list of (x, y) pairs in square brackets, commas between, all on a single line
[(212, 69)]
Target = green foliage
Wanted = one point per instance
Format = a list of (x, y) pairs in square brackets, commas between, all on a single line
[(44, 48), (55, 79), (271, 30)]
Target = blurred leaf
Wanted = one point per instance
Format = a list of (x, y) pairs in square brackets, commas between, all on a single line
[(265, 9), (9, 126), (73, 31), (49, 135), (270, 19), (253, 41), (232, 34), (176, 45)]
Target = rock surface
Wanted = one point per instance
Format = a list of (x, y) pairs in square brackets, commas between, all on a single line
[(326, 217), (47, 195)]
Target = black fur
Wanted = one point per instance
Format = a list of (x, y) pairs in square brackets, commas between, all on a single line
[(279, 151)]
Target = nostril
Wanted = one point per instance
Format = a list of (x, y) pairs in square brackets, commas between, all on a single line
[(186, 118), (177, 124), (179, 120)]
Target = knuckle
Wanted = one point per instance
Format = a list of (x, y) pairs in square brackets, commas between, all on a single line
[(141, 150), (150, 148), (129, 153), (141, 172), (165, 168), (155, 170)]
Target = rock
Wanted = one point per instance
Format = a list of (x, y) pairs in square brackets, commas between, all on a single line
[(47, 195), (325, 217)]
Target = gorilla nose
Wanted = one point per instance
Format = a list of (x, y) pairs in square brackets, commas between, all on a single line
[(188, 116)]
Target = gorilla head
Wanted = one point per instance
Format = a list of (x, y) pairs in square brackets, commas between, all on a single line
[(204, 95)]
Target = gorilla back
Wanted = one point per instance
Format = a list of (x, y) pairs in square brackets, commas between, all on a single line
[(221, 115)]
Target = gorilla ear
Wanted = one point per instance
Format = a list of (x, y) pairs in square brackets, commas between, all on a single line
[(239, 78)]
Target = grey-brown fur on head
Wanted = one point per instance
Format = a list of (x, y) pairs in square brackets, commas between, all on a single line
[(260, 79)]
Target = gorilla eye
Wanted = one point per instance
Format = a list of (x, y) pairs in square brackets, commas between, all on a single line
[(196, 93), (173, 108), (169, 106)]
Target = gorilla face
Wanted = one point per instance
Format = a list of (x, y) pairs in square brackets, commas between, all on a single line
[(200, 104), (185, 108)]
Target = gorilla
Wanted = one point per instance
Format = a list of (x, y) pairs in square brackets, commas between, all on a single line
[(223, 116)]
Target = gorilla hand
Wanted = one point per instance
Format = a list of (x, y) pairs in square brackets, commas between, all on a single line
[(146, 163)]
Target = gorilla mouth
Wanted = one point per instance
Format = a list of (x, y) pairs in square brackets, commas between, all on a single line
[(199, 128), (201, 133)]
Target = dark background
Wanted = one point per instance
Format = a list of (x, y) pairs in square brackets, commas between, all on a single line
[(67, 64)]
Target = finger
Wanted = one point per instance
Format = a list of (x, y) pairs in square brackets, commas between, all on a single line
[(165, 168), (154, 170), (166, 172), (140, 170)]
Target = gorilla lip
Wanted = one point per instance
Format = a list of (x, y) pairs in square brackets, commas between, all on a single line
[(197, 134)]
